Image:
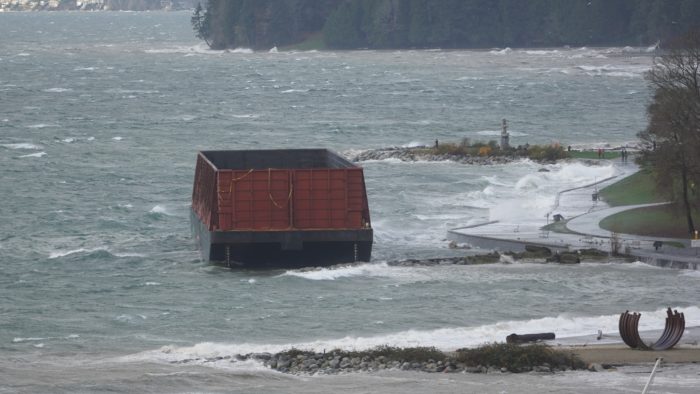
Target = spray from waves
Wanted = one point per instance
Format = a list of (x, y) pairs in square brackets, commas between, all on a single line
[(533, 195), (413, 144), (446, 339)]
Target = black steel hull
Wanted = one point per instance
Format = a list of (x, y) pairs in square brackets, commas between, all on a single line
[(281, 249)]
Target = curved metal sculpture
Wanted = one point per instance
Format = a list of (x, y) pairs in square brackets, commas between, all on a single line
[(629, 331)]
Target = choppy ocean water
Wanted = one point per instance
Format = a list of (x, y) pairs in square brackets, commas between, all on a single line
[(101, 115)]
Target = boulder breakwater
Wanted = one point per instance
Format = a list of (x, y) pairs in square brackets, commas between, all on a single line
[(426, 154), (492, 358)]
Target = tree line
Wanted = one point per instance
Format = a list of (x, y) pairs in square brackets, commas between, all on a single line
[(353, 24), (672, 138)]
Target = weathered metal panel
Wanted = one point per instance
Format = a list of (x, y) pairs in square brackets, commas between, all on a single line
[(236, 199)]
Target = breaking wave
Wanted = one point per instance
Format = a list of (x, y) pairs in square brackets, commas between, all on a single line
[(446, 339), (333, 273)]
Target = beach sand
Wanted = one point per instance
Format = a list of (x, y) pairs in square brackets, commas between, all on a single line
[(622, 355)]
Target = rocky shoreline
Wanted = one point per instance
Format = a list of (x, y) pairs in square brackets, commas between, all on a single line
[(533, 253), (424, 154), (498, 359)]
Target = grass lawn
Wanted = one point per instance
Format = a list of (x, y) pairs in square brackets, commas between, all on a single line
[(593, 154), (635, 189), (660, 221)]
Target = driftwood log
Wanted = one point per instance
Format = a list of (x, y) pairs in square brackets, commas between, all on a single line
[(515, 338)]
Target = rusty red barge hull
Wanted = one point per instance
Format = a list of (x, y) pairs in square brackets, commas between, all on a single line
[(281, 208)]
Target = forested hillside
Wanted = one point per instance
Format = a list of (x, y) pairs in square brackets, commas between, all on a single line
[(350, 24)]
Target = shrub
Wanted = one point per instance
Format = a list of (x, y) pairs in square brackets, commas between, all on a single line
[(484, 151), (546, 153), (411, 354), (517, 358)]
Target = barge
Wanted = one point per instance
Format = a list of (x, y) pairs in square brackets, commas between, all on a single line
[(280, 208)]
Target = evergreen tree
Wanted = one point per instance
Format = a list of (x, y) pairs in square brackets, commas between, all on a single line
[(348, 24), (200, 24)]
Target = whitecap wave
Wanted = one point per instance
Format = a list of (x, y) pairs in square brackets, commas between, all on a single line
[(201, 49), (469, 79), (633, 71), (37, 339), (38, 154), (241, 50), (131, 91), (128, 254), (64, 253), (58, 90), (30, 339), (543, 52), (160, 209), (21, 145), (295, 91), (503, 51), (41, 126)]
